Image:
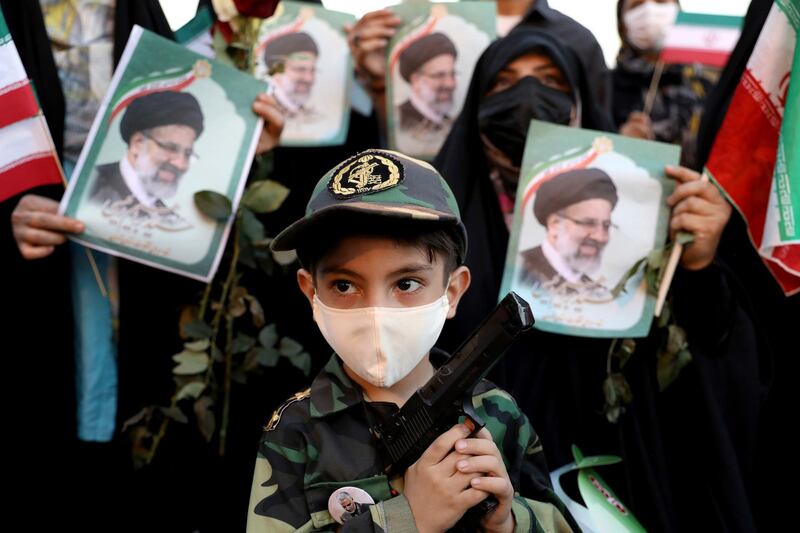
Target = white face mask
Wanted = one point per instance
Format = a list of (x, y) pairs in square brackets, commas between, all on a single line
[(647, 24), (382, 344)]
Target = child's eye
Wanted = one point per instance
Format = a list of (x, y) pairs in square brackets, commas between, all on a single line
[(408, 285), (343, 287)]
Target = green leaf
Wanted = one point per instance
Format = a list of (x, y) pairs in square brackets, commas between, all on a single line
[(655, 257), (618, 394), (174, 413), (197, 346), (684, 237), (676, 339), (669, 366), (206, 421), (252, 228), (213, 204), (236, 303), (577, 454), (289, 347), (302, 361), (191, 390), (250, 360), (285, 258), (138, 417), (256, 311), (268, 336), (626, 350), (197, 329), (620, 286), (242, 343), (265, 196), (190, 363), (267, 356)]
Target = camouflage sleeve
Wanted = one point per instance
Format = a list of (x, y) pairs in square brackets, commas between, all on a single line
[(277, 499), (536, 506)]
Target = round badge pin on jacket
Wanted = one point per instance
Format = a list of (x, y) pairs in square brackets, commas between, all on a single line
[(347, 502)]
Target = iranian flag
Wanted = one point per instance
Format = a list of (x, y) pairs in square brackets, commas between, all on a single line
[(701, 38), (756, 155), (27, 155)]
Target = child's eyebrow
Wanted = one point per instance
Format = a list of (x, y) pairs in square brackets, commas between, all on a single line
[(411, 269), (340, 271)]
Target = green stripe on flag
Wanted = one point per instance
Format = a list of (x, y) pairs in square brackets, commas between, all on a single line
[(5, 35), (791, 8), (787, 166), (704, 19)]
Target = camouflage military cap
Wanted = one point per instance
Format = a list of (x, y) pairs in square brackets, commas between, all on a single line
[(377, 183)]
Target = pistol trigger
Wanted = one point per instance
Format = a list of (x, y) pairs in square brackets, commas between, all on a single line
[(473, 421)]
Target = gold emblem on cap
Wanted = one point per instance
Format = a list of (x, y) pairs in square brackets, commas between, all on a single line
[(201, 69), (361, 176)]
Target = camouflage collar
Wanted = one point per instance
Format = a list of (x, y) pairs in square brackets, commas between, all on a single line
[(332, 390)]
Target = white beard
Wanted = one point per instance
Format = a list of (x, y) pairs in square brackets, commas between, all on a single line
[(569, 250), (148, 175)]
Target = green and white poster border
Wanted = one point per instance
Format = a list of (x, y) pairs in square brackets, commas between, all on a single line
[(150, 61)]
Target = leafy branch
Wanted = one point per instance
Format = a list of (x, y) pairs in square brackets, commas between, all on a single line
[(673, 353), (226, 335)]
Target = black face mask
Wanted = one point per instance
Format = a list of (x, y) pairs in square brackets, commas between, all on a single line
[(504, 117)]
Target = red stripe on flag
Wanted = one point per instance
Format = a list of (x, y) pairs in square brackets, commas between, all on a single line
[(17, 102), (788, 281), (712, 58), (33, 171), (743, 157)]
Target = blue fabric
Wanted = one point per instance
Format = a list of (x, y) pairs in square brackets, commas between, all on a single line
[(95, 347)]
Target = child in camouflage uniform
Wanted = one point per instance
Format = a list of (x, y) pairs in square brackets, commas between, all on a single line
[(382, 249)]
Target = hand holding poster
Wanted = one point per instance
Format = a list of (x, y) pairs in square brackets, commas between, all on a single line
[(430, 64), (589, 205), (172, 123), (302, 50)]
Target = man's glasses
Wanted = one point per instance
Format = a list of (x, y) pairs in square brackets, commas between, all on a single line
[(590, 224), (440, 76), (173, 149)]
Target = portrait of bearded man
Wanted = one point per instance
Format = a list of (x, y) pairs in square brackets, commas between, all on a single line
[(292, 58), (428, 66), (575, 208), (160, 130)]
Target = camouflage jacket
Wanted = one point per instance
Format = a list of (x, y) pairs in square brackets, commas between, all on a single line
[(319, 441)]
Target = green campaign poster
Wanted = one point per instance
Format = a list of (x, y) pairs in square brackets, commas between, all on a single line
[(429, 66), (171, 124), (302, 51), (589, 206)]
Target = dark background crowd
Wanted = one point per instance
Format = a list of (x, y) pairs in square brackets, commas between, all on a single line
[(710, 453)]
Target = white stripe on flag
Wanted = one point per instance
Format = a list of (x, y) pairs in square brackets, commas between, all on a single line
[(24, 140), (706, 38), (11, 69)]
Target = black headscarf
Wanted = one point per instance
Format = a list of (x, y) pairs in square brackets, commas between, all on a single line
[(463, 164)]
